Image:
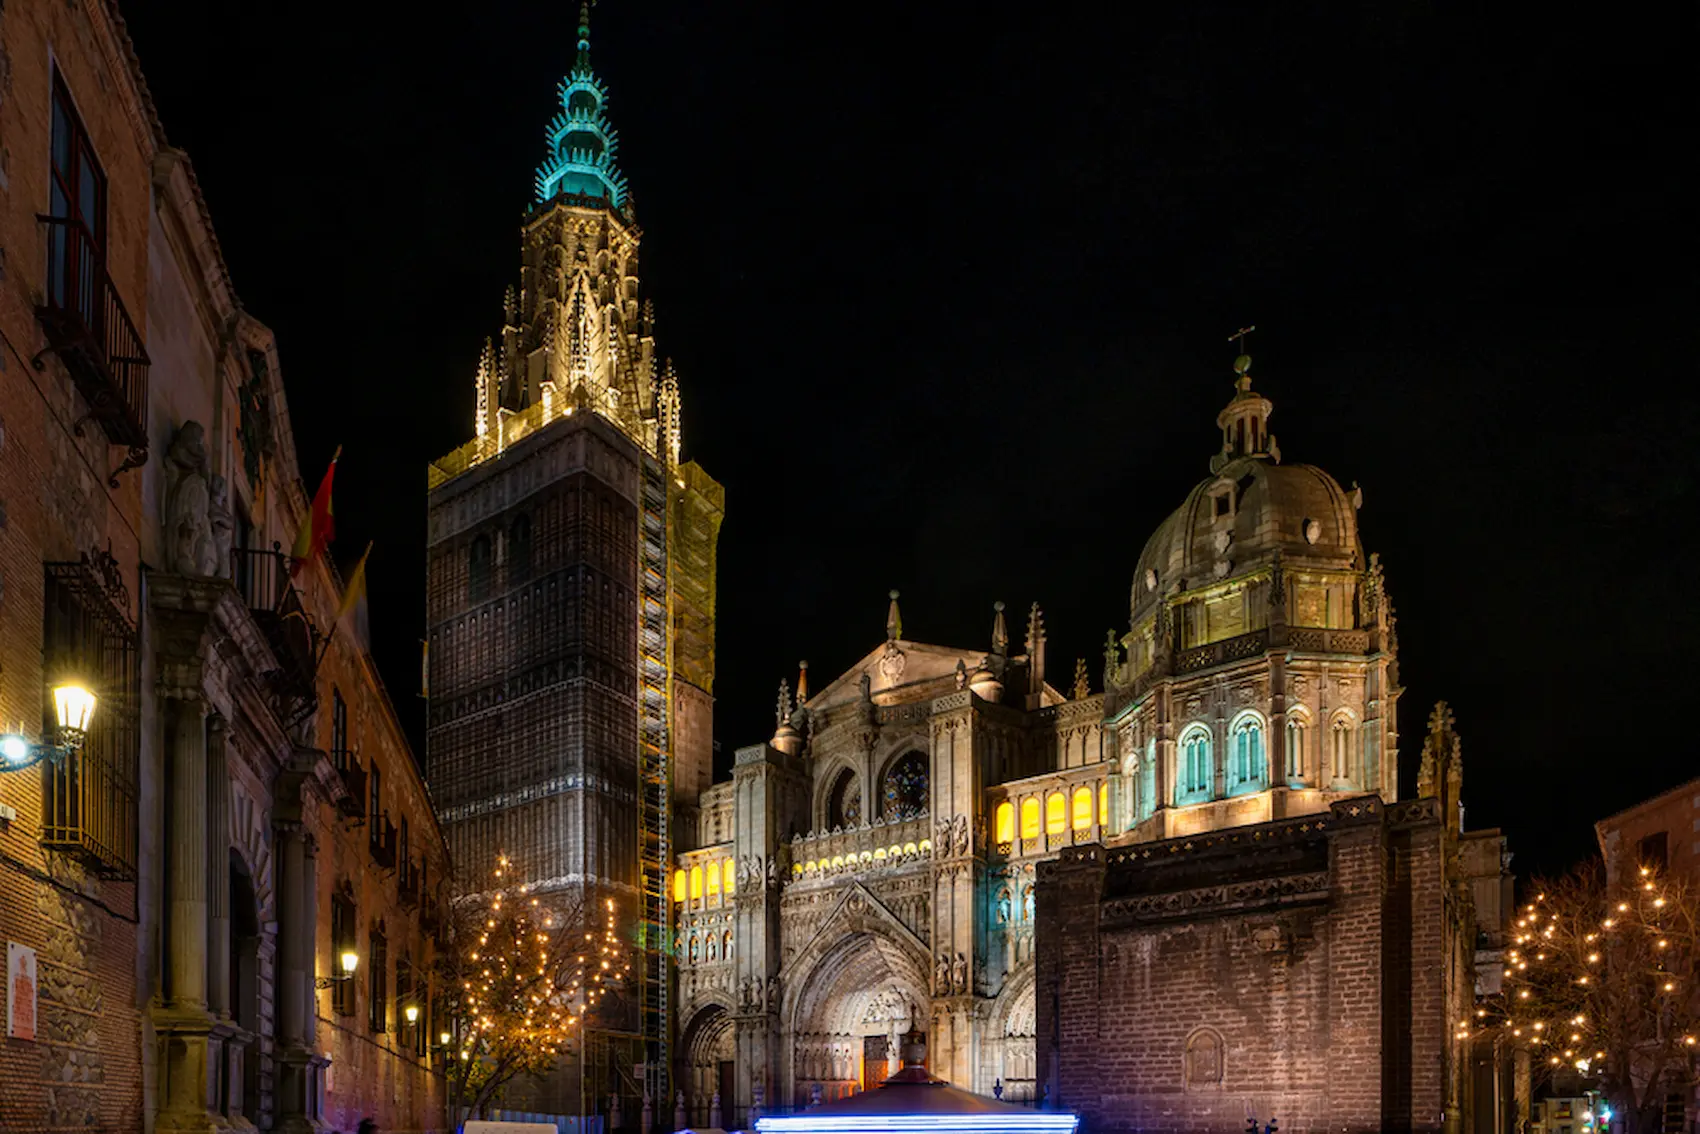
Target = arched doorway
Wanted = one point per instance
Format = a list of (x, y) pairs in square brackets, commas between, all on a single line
[(852, 1002), (708, 1064), (1011, 1042)]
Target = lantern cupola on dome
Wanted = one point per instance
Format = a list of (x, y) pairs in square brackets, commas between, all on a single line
[(582, 143)]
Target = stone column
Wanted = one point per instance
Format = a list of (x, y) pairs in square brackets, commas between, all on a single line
[(299, 1066), (218, 868), (182, 1022), (218, 921), (186, 882)]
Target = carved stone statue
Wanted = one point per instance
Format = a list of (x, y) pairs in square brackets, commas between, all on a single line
[(941, 975), (866, 685), (959, 975), (961, 835), (773, 993), (221, 524), (961, 675), (773, 872), (188, 535)]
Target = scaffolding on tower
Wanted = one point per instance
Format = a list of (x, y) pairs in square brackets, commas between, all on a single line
[(655, 681)]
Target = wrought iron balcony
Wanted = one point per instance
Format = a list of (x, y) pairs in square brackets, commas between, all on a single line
[(89, 328), (262, 578), (352, 805)]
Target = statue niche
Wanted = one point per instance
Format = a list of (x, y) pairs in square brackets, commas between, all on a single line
[(192, 540)]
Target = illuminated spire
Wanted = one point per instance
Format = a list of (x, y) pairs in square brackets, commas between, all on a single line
[(893, 621), (582, 143)]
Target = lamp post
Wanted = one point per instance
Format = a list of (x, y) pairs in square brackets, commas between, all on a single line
[(73, 705), (350, 961)]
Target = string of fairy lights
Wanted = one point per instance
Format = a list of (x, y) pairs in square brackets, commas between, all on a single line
[(1570, 967), (517, 990)]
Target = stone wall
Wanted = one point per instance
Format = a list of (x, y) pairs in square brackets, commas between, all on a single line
[(1292, 970)]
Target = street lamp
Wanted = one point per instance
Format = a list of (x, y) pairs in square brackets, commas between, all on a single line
[(73, 705), (412, 1013), (350, 961)]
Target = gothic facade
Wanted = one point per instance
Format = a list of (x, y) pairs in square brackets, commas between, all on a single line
[(881, 860)]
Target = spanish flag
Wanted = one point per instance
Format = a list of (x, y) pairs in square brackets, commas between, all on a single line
[(354, 596), (320, 527)]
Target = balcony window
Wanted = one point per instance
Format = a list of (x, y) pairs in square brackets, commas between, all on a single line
[(375, 804), (378, 982), (342, 941), (339, 730), (87, 324), (77, 193), (89, 798)]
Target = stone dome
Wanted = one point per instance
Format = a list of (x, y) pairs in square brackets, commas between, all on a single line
[(1251, 511)]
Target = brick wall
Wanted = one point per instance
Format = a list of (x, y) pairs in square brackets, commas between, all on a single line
[(55, 504), (1293, 970)]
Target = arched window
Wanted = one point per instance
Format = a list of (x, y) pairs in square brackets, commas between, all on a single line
[(1340, 745), (728, 876), (478, 570), (1030, 818), (713, 879), (679, 885), (1006, 823), (1148, 782), (1197, 777), (696, 882), (844, 801), (905, 791), (1298, 736), (1246, 764), (1056, 817), (1081, 809)]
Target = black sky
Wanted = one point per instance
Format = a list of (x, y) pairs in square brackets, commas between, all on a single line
[(949, 291)]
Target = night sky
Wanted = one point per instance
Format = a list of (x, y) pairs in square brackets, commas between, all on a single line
[(949, 292)]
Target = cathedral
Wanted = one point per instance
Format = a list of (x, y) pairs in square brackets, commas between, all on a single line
[(1191, 899)]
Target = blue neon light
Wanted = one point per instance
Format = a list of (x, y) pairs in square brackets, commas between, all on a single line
[(1010, 1123), (582, 143)]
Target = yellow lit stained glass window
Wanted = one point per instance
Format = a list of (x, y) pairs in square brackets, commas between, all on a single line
[(713, 879), (1082, 808), (696, 882), (1104, 804), (1006, 822), (1056, 815), (1029, 818), (678, 885), (728, 880)]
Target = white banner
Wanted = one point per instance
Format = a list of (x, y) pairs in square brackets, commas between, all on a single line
[(20, 991)]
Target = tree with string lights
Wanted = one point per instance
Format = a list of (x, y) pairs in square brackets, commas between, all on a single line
[(519, 978), (1603, 981)]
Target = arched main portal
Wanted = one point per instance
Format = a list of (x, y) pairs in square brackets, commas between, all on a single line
[(708, 1064), (845, 1010)]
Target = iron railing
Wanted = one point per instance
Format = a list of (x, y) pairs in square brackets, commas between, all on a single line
[(90, 329), (89, 796), (262, 579)]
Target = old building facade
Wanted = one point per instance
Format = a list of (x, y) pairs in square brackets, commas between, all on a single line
[(167, 887), (907, 849), (76, 147)]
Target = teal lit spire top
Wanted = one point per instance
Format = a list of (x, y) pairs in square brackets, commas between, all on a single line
[(581, 142)]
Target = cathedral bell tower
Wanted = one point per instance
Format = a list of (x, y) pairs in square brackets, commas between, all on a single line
[(571, 561)]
